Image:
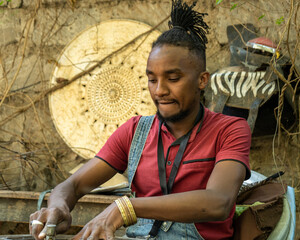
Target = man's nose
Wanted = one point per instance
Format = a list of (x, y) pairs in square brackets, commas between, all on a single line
[(161, 88)]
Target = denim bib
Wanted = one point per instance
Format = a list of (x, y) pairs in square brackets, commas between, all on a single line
[(168, 230)]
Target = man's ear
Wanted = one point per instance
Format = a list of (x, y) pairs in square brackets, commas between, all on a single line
[(203, 80)]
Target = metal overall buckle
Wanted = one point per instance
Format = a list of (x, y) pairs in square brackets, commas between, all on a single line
[(149, 237)]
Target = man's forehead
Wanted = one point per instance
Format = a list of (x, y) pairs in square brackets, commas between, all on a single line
[(170, 55), (164, 50)]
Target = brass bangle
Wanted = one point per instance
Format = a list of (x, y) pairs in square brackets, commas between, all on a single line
[(131, 209), (127, 212), (122, 211)]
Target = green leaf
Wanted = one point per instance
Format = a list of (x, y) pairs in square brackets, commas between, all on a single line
[(261, 17), (218, 1), (233, 6), (279, 20), (8, 0), (1, 3)]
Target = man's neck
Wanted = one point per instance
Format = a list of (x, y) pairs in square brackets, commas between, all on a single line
[(180, 128)]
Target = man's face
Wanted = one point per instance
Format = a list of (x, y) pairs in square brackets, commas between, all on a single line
[(175, 81)]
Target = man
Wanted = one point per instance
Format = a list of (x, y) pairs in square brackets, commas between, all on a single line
[(193, 162)]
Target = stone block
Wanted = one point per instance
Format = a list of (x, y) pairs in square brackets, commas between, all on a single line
[(12, 129), (28, 3), (15, 3), (8, 35), (29, 72), (10, 29)]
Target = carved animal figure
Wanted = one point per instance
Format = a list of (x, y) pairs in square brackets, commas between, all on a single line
[(240, 88)]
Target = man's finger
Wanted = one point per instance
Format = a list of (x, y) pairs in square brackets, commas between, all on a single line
[(53, 219), (86, 233), (36, 228), (32, 218), (79, 235), (95, 234), (49, 230), (42, 233), (110, 235), (62, 227), (93, 237)]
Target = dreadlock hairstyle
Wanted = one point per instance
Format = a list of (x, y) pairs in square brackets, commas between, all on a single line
[(187, 29)]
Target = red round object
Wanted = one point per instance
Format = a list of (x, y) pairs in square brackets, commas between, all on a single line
[(263, 41)]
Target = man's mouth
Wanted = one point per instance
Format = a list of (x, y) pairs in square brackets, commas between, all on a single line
[(165, 102)]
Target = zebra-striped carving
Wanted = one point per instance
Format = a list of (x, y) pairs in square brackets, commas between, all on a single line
[(239, 83), (237, 87)]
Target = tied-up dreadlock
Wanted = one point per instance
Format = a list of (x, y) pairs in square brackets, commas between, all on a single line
[(183, 16), (187, 29)]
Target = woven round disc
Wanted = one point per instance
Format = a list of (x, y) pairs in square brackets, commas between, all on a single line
[(87, 111)]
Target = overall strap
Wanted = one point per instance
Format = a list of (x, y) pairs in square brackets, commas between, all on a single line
[(137, 145)]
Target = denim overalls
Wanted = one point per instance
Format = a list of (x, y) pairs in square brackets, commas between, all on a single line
[(168, 230)]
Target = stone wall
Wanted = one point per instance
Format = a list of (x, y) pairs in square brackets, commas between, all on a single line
[(32, 35)]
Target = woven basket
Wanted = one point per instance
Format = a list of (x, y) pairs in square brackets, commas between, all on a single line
[(87, 111)]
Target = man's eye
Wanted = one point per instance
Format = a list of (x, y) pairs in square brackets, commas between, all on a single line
[(152, 80), (174, 79)]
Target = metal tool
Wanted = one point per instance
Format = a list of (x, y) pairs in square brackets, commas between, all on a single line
[(50, 232)]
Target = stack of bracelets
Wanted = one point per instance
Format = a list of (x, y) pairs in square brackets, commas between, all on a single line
[(126, 210)]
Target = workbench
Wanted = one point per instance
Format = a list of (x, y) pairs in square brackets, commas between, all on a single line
[(16, 206)]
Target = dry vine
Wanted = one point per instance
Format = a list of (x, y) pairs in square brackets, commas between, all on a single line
[(32, 101)]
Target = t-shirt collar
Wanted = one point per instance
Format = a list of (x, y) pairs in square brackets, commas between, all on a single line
[(196, 128)]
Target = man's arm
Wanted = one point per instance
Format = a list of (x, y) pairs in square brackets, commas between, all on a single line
[(65, 195), (212, 204), (88, 177)]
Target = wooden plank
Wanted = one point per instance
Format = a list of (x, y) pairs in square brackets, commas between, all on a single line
[(96, 198), (58, 237), (16, 206)]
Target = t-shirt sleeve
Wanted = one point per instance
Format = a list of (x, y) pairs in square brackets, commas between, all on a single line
[(116, 149), (234, 144)]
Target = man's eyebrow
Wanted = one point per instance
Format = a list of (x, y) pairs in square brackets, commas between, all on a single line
[(175, 70), (148, 71)]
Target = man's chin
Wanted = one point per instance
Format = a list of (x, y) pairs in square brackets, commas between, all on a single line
[(171, 118)]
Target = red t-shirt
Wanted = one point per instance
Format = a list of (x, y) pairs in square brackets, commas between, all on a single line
[(221, 138)]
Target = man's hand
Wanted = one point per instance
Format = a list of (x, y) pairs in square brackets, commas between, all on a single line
[(102, 226), (61, 218), (65, 195)]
